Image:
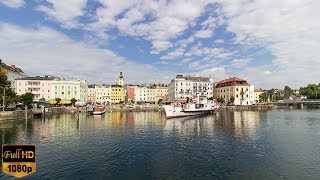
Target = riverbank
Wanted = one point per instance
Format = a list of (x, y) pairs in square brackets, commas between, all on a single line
[(260, 107), (21, 114)]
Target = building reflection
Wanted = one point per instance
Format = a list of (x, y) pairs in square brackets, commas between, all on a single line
[(237, 123), (190, 126)]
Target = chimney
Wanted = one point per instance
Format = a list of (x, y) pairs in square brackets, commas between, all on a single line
[(13, 66)]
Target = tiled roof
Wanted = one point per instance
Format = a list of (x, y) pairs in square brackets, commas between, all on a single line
[(38, 78), (233, 81), (193, 78), (10, 68), (258, 90)]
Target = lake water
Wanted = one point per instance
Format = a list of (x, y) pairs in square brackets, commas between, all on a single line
[(279, 144)]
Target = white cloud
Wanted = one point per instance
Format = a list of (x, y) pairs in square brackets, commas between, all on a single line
[(216, 73), (13, 3), (289, 29), (174, 54), (240, 63), (204, 33), (43, 50), (65, 11), (166, 19), (219, 41)]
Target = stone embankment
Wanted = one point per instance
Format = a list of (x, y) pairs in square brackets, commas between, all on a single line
[(22, 114), (17, 114), (262, 107)]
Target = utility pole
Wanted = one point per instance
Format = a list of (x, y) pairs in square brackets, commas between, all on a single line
[(4, 97)]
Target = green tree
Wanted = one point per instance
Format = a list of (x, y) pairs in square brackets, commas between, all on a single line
[(73, 101), (312, 91), (27, 98), (58, 100), (5, 85), (288, 91), (231, 99)]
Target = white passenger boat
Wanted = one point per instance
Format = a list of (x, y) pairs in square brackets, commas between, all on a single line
[(180, 109)]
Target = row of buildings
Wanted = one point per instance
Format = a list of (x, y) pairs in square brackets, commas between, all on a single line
[(181, 87)]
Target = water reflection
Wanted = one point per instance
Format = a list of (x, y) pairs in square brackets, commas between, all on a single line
[(240, 124), (138, 145)]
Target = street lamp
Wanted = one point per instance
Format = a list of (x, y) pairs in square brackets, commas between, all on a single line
[(4, 96)]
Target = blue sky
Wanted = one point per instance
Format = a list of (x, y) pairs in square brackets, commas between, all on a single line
[(271, 44)]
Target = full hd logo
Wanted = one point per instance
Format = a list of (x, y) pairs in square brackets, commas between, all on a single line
[(18, 160)]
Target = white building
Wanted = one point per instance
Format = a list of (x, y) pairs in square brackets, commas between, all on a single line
[(150, 93), (189, 87), (67, 89), (99, 94), (41, 87), (239, 89), (12, 73)]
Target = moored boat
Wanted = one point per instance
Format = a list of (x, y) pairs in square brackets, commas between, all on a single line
[(199, 107), (98, 111)]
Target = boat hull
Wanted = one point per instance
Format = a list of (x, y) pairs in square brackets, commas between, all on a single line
[(178, 112), (98, 112)]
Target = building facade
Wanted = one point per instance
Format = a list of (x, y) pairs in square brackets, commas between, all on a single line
[(189, 87), (239, 89), (130, 93), (106, 94), (12, 73), (67, 89), (257, 93), (41, 87), (150, 93)]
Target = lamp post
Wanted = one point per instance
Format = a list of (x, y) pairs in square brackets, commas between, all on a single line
[(4, 97)]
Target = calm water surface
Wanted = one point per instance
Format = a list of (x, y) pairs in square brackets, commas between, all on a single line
[(280, 144)]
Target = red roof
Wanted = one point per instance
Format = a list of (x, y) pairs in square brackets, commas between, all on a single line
[(232, 82), (258, 90)]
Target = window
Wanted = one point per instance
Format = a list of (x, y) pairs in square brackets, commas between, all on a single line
[(48, 90), (42, 84), (237, 95), (237, 90), (62, 92)]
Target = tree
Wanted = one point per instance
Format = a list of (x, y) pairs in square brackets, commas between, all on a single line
[(58, 100), (312, 91), (264, 97), (5, 85), (73, 101), (27, 99), (159, 101), (232, 99), (288, 91)]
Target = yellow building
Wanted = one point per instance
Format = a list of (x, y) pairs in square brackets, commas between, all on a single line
[(239, 89), (117, 92)]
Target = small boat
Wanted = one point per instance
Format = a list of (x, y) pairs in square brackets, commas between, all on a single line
[(199, 107), (99, 110)]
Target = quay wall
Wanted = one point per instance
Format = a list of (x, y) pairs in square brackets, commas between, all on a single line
[(18, 114), (248, 108)]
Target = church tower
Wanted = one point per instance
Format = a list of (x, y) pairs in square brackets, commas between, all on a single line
[(121, 80)]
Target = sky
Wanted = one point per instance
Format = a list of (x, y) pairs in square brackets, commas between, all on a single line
[(269, 43)]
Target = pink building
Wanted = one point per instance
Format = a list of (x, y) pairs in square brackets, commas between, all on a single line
[(130, 93), (39, 86)]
